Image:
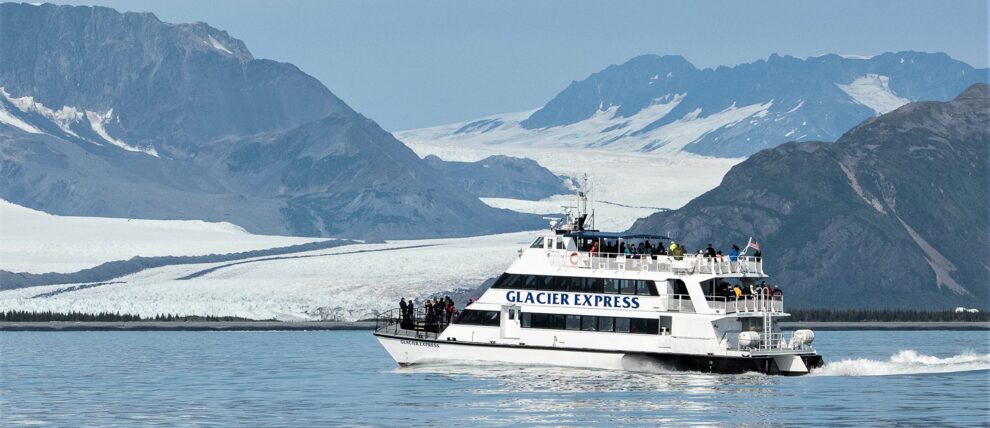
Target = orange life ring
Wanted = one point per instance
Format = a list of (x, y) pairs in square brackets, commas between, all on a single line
[(574, 258)]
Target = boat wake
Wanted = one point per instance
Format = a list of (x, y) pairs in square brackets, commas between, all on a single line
[(906, 362)]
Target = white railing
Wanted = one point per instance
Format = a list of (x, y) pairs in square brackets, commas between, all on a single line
[(685, 265), (775, 342), (680, 303), (747, 303)]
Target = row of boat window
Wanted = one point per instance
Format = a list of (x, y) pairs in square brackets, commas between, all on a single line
[(569, 322), (591, 323), (578, 284)]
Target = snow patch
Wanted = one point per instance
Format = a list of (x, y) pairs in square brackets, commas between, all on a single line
[(63, 117), (97, 120), (8, 119), (873, 91), (217, 45)]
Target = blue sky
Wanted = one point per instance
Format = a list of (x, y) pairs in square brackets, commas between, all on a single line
[(410, 64)]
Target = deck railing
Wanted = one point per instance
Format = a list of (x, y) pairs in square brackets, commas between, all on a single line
[(418, 324), (686, 265), (775, 342), (747, 303)]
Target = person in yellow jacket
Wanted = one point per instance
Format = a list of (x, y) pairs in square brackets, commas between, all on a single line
[(676, 251)]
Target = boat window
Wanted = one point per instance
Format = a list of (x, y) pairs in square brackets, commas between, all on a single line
[(538, 243), (589, 323), (595, 323), (606, 323), (611, 286), (644, 326), (641, 288), (476, 317), (622, 325), (558, 321), (574, 322), (560, 244), (626, 286), (666, 323), (512, 314), (676, 286)]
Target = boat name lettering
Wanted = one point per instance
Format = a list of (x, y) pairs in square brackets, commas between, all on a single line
[(418, 343), (572, 299)]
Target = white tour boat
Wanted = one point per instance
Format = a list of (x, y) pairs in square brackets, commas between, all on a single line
[(565, 302)]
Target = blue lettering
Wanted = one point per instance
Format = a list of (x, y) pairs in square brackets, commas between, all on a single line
[(563, 299), (529, 298), (510, 296), (608, 301), (555, 299), (598, 300), (539, 299), (625, 302), (587, 300), (635, 302)]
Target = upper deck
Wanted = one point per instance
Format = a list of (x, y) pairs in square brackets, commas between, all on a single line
[(688, 264)]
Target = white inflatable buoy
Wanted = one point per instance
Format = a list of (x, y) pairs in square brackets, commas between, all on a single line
[(802, 337), (749, 339)]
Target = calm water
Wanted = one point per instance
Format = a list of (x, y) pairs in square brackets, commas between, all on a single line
[(329, 378)]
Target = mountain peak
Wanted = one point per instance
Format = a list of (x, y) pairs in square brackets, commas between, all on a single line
[(980, 91)]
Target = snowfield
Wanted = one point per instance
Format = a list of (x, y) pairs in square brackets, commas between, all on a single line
[(346, 283), (38, 242)]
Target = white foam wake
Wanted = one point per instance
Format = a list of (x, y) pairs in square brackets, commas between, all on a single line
[(906, 362)]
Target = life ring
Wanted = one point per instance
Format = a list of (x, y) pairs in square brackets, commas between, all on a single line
[(575, 257)]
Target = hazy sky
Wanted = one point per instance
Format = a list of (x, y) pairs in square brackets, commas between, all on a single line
[(409, 64)]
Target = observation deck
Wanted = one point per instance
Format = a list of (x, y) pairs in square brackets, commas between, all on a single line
[(688, 264)]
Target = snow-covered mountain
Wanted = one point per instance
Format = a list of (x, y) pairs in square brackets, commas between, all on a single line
[(664, 104), (122, 115)]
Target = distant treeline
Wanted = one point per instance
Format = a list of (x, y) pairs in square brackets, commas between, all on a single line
[(25, 316), (883, 315)]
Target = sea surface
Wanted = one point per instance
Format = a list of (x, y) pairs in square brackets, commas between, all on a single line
[(319, 378)]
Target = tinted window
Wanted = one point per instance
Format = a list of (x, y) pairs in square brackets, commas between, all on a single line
[(541, 321), (557, 321), (611, 286), (622, 325), (641, 288), (527, 320), (644, 326), (573, 322), (606, 324), (626, 286), (538, 243), (475, 317), (589, 323)]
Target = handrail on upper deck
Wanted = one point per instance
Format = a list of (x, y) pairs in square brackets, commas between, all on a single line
[(419, 324), (687, 264)]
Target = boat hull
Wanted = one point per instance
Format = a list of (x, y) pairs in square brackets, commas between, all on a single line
[(410, 351)]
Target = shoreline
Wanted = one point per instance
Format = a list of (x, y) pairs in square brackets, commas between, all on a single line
[(370, 325)]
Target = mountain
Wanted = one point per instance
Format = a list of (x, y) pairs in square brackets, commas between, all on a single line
[(895, 214), (502, 177), (122, 115), (665, 104)]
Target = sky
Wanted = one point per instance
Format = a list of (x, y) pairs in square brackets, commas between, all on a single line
[(413, 64)]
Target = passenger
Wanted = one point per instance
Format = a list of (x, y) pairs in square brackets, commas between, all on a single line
[(737, 290), (594, 249), (777, 291), (411, 307), (734, 253), (661, 250), (402, 308), (450, 311), (710, 251), (758, 255), (626, 250), (675, 250)]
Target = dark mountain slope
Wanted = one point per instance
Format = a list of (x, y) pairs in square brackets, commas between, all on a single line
[(894, 214), (123, 115)]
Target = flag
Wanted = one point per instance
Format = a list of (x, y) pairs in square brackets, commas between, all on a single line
[(754, 245)]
